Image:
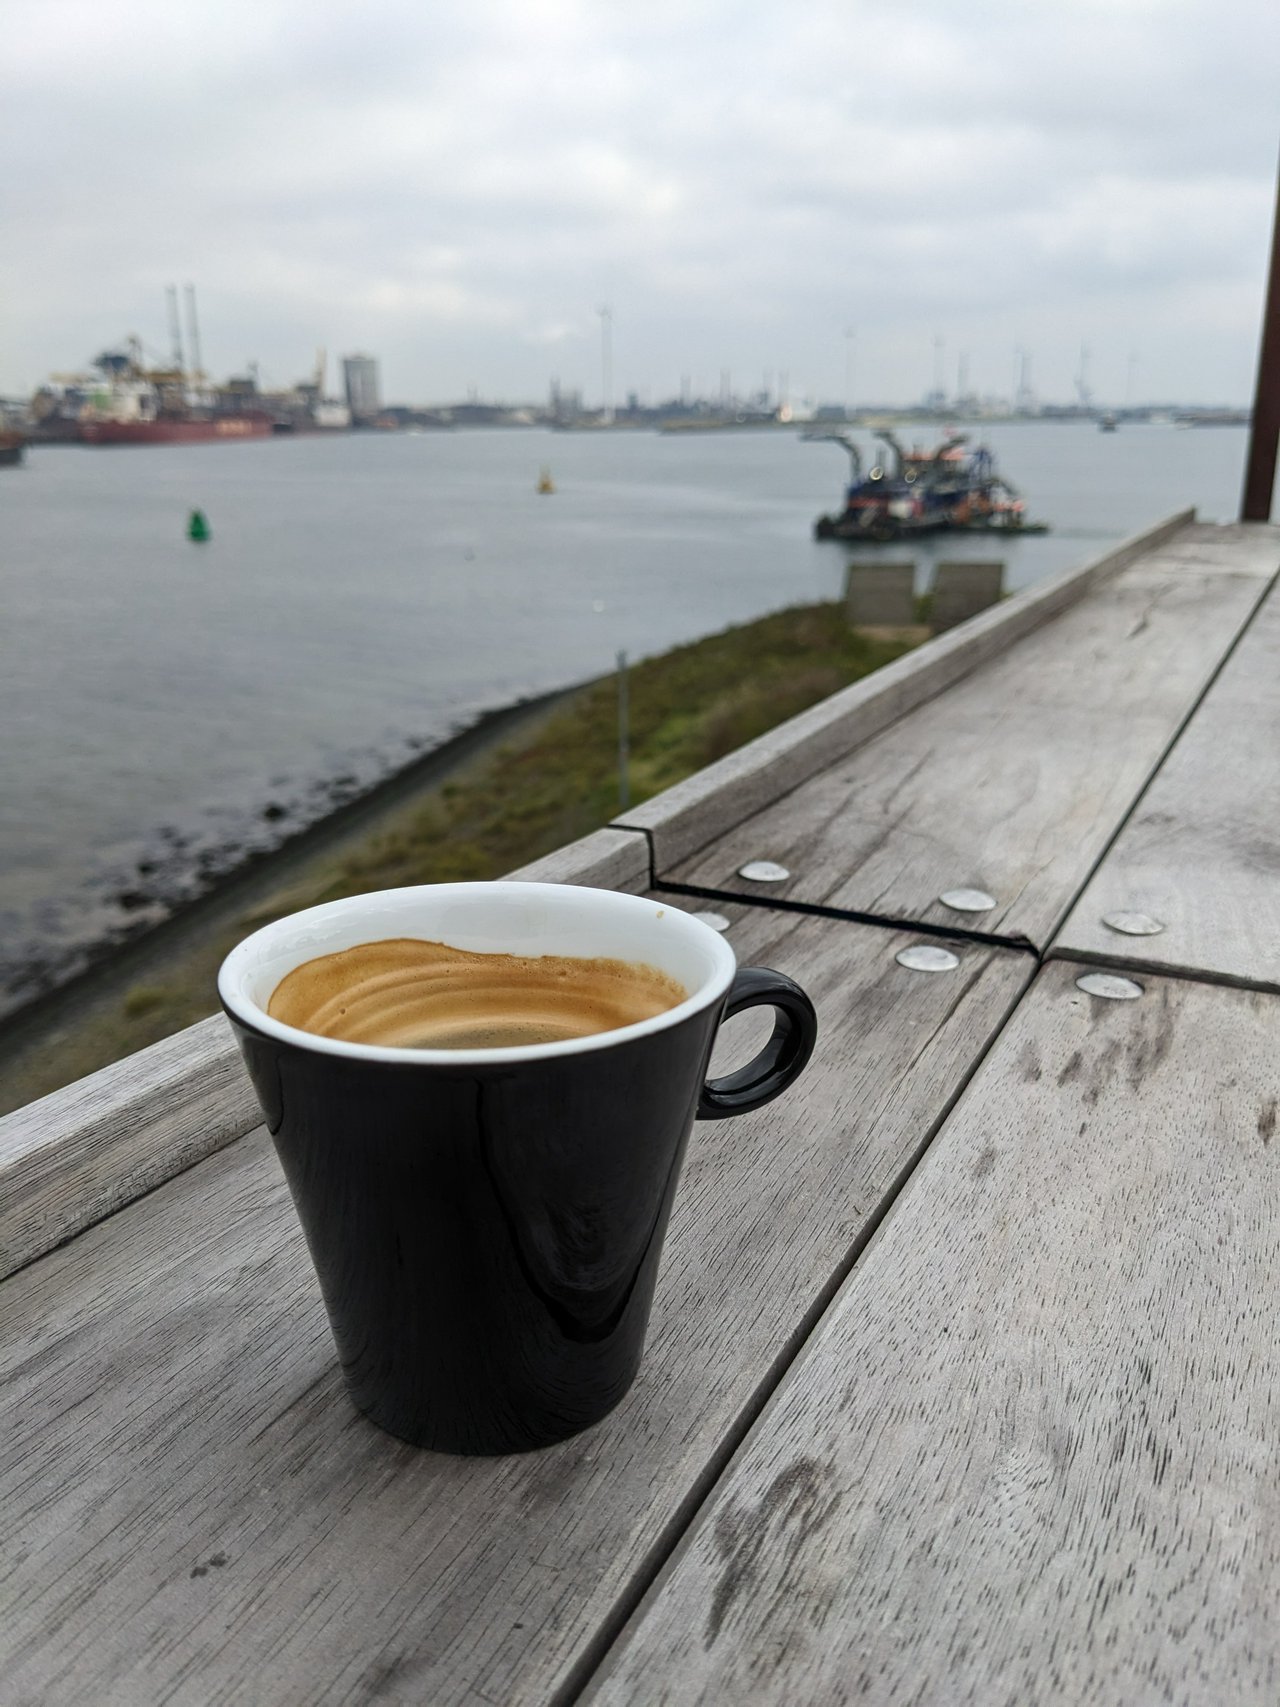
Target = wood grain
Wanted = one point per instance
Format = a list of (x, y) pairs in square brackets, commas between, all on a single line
[(700, 809), (190, 1512), (1201, 852), (1014, 780), (77, 1155), (606, 859), (1031, 1454)]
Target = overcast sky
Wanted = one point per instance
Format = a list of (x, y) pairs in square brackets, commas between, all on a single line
[(459, 187)]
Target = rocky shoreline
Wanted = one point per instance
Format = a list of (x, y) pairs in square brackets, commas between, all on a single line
[(173, 895)]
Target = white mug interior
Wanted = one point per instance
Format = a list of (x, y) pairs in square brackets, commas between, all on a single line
[(483, 918)]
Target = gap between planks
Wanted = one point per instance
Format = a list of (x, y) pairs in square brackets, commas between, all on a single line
[(880, 921), (1018, 941), (664, 1553), (921, 1636), (1086, 957)]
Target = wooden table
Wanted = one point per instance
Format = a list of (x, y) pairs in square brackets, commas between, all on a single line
[(962, 1380)]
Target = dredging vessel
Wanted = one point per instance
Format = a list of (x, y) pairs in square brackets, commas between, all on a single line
[(951, 487)]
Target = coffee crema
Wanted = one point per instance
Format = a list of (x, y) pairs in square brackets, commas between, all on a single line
[(409, 994)]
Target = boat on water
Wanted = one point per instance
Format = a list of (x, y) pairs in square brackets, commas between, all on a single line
[(163, 430), (127, 400), (12, 446), (127, 403), (951, 488)]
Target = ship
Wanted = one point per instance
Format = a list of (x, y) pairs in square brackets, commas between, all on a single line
[(127, 400), (12, 446), (124, 401), (166, 431), (951, 488)]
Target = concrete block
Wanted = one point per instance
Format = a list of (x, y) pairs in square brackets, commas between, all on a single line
[(961, 590), (881, 595)]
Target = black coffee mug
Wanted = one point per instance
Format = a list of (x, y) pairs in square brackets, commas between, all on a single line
[(486, 1224)]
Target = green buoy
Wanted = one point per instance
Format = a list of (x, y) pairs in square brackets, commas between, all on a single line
[(197, 525)]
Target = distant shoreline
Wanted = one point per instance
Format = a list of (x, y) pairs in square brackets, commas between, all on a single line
[(676, 426), (117, 959)]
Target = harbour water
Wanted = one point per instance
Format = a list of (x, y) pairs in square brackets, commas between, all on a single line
[(170, 707)]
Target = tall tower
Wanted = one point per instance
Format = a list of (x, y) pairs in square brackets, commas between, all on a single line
[(1083, 390), (606, 361), (1024, 398), (938, 396), (360, 380)]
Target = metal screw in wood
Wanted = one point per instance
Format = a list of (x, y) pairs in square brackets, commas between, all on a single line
[(763, 871), (967, 900), (1132, 924), (1110, 986), (927, 957)]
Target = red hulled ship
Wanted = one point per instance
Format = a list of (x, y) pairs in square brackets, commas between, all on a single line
[(127, 401), (165, 430)]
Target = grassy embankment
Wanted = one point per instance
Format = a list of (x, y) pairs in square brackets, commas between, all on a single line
[(547, 786)]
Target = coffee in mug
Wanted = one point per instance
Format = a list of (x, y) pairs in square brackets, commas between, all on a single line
[(428, 995)]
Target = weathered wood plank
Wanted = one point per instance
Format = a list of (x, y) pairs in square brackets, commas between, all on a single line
[(1201, 853), (696, 811), (1030, 1455), (72, 1157), (1220, 542), (1013, 781), (190, 1511), (607, 859)]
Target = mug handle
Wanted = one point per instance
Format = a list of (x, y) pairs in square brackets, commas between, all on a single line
[(783, 1058)]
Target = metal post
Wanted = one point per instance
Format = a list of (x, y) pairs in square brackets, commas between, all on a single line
[(606, 361), (624, 737), (1264, 433)]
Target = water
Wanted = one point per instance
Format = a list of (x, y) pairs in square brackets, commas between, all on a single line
[(365, 596)]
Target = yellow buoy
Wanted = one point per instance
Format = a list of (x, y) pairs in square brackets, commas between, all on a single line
[(545, 482)]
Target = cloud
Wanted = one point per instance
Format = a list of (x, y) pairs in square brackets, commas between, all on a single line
[(459, 188)]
